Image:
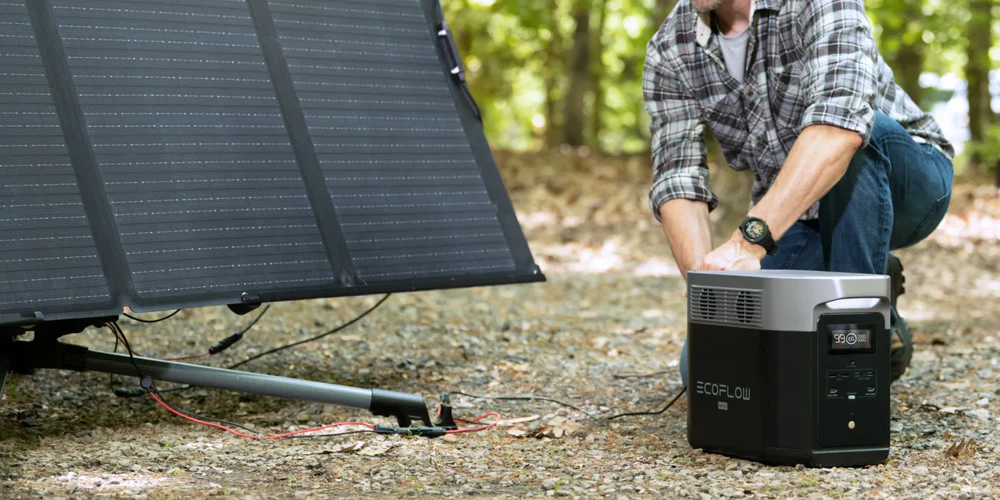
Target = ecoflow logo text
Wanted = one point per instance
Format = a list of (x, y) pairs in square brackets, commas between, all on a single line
[(722, 390)]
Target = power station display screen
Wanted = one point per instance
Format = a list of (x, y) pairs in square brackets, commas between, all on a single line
[(850, 339)]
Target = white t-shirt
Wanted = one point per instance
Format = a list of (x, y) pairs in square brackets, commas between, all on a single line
[(734, 52)]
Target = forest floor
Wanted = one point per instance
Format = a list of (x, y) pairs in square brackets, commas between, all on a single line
[(613, 306)]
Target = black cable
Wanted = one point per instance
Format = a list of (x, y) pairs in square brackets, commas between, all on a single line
[(228, 342), (339, 434), (640, 413), (523, 398), (202, 417), (131, 355), (171, 315), (289, 346), (313, 339), (120, 335)]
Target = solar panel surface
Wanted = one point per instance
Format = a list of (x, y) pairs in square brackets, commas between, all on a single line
[(200, 152), (48, 257)]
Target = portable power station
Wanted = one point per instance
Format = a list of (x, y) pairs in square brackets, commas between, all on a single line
[(789, 367)]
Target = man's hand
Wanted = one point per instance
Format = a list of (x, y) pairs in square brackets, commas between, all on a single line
[(737, 254)]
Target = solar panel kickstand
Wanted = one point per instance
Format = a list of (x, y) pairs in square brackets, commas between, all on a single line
[(46, 353)]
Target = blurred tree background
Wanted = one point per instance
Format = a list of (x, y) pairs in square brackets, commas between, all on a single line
[(553, 74)]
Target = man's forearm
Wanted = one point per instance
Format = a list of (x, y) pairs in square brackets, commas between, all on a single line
[(817, 161), (688, 230)]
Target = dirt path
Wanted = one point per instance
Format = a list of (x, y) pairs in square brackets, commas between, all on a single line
[(613, 305)]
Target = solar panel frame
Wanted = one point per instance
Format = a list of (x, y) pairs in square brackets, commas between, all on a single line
[(385, 266)]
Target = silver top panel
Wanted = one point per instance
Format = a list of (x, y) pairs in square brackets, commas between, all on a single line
[(789, 301)]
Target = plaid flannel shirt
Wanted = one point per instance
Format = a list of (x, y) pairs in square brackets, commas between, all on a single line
[(808, 62)]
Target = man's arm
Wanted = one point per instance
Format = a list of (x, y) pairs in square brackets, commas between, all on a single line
[(688, 230), (839, 78), (817, 161), (681, 197)]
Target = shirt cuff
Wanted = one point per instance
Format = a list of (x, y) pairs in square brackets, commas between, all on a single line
[(686, 187), (857, 120)]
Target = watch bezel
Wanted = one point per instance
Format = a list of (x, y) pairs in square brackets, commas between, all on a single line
[(745, 229), (765, 240)]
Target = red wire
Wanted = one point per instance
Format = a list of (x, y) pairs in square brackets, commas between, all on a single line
[(482, 427), (185, 358), (315, 429), (202, 422), (248, 436)]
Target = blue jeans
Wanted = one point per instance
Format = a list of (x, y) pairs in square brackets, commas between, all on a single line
[(895, 193)]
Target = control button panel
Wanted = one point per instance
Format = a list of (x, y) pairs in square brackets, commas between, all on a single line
[(851, 384)]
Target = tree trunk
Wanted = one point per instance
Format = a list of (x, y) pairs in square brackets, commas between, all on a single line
[(912, 52), (579, 77), (597, 75), (977, 74), (554, 54), (902, 43)]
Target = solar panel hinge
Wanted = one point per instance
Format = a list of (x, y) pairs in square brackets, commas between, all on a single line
[(454, 61)]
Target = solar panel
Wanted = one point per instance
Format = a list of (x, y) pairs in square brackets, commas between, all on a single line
[(162, 155), (49, 259)]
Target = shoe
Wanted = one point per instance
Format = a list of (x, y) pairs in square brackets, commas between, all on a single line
[(902, 337), (897, 280)]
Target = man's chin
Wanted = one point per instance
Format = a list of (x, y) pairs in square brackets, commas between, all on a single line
[(706, 5)]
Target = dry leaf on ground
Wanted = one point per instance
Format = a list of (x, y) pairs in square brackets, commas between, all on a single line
[(559, 427), (961, 449)]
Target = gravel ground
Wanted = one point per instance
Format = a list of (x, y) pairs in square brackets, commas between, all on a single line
[(613, 306)]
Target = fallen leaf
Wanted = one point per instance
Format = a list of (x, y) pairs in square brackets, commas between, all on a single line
[(559, 427), (961, 449), (351, 448), (953, 409)]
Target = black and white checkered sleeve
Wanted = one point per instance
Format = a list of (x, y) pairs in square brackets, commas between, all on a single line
[(840, 78), (680, 168)]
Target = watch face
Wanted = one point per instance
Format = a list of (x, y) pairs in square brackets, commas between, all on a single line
[(755, 230)]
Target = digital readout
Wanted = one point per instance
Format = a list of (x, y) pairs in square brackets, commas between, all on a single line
[(851, 339)]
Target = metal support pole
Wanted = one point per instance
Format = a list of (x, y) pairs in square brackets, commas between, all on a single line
[(230, 380), (404, 407), (46, 353)]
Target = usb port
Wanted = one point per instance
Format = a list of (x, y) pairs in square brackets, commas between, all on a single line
[(870, 373), (857, 374)]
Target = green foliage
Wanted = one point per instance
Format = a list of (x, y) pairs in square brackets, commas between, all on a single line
[(517, 55)]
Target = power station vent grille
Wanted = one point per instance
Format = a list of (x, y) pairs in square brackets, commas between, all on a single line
[(727, 306)]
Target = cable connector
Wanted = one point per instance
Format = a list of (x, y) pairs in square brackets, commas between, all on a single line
[(225, 343), (428, 432), (446, 418), (129, 392)]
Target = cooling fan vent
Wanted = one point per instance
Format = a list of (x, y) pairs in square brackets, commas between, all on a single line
[(726, 306)]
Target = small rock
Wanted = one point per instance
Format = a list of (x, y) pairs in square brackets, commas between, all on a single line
[(550, 483), (135, 468)]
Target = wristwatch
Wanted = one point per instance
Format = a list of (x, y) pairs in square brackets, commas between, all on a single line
[(755, 231)]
